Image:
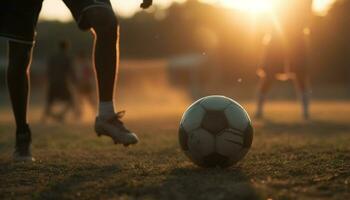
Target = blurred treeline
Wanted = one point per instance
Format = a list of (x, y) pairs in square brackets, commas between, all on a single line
[(225, 36)]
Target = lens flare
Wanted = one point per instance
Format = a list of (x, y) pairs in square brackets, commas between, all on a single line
[(253, 6)]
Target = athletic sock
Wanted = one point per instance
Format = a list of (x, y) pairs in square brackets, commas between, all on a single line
[(106, 109)]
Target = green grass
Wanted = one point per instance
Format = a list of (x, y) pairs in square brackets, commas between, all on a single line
[(290, 159)]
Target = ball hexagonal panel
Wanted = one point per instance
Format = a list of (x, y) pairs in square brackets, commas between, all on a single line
[(237, 117), (201, 143), (193, 117), (216, 103), (214, 122), (230, 145)]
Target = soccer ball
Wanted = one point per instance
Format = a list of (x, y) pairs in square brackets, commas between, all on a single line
[(215, 131)]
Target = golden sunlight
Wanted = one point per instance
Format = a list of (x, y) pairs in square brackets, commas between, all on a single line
[(321, 7), (56, 10), (253, 6), (260, 6)]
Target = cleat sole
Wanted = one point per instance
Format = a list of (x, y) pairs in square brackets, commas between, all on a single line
[(102, 132)]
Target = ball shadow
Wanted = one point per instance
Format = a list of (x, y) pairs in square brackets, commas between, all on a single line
[(208, 183)]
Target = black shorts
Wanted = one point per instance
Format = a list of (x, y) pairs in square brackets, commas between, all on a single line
[(18, 18)]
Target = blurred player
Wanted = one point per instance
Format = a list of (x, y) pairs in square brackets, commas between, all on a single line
[(286, 52), (60, 77), (85, 80), (18, 19)]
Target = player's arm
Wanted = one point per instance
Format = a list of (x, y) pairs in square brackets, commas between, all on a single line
[(146, 4)]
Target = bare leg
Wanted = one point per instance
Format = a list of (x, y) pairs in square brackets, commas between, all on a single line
[(303, 90), (91, 97), (265, 85), (18, 80), (18, 84), (105, 29), (61, 116), (47, 112)]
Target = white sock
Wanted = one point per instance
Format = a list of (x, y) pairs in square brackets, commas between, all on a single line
[(106, 109)]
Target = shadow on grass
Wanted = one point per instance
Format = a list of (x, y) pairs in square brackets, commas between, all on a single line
[(197, 183), (190, 183), (74, 185)]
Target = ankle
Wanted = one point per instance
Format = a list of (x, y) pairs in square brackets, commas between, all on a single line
[(106, 109), (23, 136), (23, 128)]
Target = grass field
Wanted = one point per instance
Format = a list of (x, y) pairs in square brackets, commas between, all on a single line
[(290, 159)]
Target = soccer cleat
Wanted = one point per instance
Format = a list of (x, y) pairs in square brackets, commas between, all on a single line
[(23, 141), (114, 128)]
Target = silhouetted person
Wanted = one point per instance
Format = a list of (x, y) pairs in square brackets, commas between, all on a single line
[(85, 81), (18, 19), (60, 78), (286, 51)]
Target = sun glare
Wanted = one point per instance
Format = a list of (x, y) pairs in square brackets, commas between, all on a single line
[(253, 6), (262, 6), (321, 6)]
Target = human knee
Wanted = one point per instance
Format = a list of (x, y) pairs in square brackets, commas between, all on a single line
[(19, 56), (104, 23)]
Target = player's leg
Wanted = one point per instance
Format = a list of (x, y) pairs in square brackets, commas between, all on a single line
[(91, 97), (17, 24), (299, 67), (18, 80), (105, 29), (78, 105), (69, 104), (264, 87), (18, 85), (301, 82), (100, 18), (48, 105)]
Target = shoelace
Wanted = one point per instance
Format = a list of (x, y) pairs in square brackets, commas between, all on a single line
[(117, 119)]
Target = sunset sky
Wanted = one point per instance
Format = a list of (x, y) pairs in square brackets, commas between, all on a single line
[(56, 10)]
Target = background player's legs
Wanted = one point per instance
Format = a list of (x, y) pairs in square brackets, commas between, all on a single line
[(301, 83), (92, 100), (264, 87), (18, 80), (47, 111), (105, 28), (68, 105)]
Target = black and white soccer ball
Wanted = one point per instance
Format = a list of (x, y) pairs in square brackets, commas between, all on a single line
[(215, 131)]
